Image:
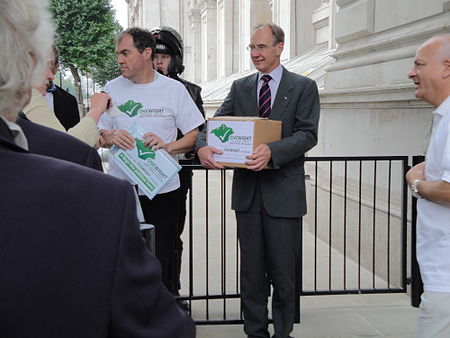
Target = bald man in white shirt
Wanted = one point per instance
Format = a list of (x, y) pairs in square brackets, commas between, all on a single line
[(430, 184)]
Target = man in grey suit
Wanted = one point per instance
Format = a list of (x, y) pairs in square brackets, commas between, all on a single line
[(269, 203)]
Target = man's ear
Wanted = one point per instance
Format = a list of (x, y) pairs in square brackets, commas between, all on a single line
[(148, 53), (280, 47), (446, 74)]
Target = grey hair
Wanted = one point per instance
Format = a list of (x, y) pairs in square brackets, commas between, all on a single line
[(26, 39), (277, 31)]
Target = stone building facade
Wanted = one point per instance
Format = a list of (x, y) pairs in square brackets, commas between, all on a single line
[(364, 87)]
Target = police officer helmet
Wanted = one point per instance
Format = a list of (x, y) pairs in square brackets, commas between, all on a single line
[(168, 41)]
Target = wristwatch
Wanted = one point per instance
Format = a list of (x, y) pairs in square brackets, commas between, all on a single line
[(414, 190)]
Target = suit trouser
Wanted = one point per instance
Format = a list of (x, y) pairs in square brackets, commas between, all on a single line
[(162, 212), (269, 248)]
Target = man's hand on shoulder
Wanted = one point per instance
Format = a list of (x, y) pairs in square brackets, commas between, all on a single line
[(260, 158), (205, 155)]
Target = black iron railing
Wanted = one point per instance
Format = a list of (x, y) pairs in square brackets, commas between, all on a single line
[(357, 213), (416, 279), (354, 237)]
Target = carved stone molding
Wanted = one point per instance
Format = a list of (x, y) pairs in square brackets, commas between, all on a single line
[(395, 44), (342, 3), (399, 96), (207, 4), (321, 15), (447, 6), (194, 16), (355, 22)]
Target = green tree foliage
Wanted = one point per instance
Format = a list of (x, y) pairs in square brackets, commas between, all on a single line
[(86, 36), (109, 70)]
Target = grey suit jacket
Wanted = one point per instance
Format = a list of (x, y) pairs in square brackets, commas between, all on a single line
[(297, 106)]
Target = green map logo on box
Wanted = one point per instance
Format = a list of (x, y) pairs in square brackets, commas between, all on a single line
[(130, 108), (223, 133), (144, 152)]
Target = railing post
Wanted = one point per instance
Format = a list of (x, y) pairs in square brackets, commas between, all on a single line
[(299, 275), (416, 279)]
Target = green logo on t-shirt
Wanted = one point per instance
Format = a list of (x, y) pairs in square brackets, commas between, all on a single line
[(144, 152), (223, 133), (130, 108)]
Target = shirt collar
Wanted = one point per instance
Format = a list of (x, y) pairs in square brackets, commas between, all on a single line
[(275, 74), (443, 107), (18, 135), (156, 75), (52, 88)]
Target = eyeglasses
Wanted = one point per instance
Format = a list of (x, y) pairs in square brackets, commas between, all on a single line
[(258, 48)]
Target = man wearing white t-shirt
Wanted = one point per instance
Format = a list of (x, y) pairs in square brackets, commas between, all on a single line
[(430, 183), (160, 106)]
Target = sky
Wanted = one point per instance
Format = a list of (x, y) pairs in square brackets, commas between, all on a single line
[(121, 11)]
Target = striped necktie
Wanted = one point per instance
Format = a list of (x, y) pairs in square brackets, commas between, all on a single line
[(265, 97)]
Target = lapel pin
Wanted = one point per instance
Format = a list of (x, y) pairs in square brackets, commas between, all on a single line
[(285, 97)]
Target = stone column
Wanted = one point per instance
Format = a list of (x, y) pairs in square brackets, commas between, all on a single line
[(253, 13), (193, 54), (134, 11), (209, 39), (304, 31), (285, 18), (321, 22), (225, 41), (152, 14), (245, 31), (170, 14)]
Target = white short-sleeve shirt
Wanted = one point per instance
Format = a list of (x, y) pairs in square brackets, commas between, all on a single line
[(433, 219), (160, 107)]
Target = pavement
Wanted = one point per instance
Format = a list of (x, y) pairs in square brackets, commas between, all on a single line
[(341, 316)]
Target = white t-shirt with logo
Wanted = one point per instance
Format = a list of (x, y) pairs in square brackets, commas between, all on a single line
[(160, 107), (433, 219)]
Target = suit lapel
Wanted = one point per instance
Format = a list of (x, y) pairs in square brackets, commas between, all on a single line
[(282, 98), (6, 138), (251, 104), (56, 97)]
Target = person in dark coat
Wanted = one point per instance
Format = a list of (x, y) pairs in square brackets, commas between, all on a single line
[(169, 61), (53, 143), (73, 262), (270, 203), (63, 103)]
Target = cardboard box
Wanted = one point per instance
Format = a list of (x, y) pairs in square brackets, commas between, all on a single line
[(237, 136)]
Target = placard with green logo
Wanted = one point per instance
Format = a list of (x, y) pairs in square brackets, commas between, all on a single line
[(234, 138), (238, 136), (149, 169)]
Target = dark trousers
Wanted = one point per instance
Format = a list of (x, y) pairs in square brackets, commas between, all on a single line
[(269, 249), (185, 184), (162, 212)]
